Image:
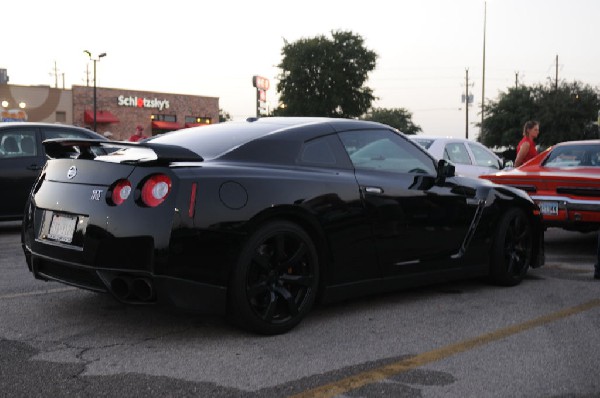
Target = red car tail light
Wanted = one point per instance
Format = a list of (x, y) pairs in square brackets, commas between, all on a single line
[(120, 192), (156, 189)]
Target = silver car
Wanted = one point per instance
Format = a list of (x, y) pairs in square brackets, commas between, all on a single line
[(470, 158)]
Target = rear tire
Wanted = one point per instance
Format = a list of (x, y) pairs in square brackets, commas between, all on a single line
[(274, 284), (512, 249)]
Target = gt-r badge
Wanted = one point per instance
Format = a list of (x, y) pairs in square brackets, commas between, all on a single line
[(72, 172), (96, 193)]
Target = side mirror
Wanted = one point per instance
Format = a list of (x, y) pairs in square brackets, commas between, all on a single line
[(507, 164), (444, 169)]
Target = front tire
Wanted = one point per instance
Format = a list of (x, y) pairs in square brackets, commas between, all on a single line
[(512, 248), (274, 284)]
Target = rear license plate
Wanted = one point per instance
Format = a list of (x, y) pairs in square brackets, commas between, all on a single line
[(62, 228), (549, 208)]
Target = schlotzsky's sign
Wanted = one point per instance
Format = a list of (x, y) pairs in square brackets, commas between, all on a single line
[(142, 102)]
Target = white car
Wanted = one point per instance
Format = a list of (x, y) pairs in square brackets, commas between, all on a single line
[(470, 158)]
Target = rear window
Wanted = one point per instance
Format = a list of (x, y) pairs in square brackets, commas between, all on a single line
[(214, 140), (425, 143)]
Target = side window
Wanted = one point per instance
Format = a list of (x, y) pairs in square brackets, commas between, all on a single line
[(595, 156), (17, 143), (385, 150), (484, 158), (457, 153), (317, 152)]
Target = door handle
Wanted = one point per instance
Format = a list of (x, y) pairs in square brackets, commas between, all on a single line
[(374, 190), (34, 167)]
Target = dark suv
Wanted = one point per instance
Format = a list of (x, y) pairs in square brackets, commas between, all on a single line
[(22, 157)]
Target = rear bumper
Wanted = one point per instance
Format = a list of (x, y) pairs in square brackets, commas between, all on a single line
[(131, 287), (574, 214)]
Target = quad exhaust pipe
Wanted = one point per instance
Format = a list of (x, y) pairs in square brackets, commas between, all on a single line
[(126, 288)]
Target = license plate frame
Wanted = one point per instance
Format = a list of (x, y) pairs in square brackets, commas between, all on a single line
[(62, 228), (548, 208)]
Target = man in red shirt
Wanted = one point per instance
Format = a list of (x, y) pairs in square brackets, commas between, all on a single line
[(138, 135)]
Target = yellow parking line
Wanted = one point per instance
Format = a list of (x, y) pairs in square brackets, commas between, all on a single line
[(353, 382), (38, 293)]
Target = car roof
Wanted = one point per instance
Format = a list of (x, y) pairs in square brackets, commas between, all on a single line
[(279, 123), (91, 133), (582, 142), (40, 124), (441, 138), (214, 140)]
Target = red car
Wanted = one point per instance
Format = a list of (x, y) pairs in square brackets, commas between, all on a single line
[(564, 181)]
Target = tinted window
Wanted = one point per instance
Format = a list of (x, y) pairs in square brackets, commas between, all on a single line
[(214, 140), (386, 151), (318, 152), (17, 143)]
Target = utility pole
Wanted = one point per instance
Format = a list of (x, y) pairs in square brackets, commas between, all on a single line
[(55, 75), (467, 103), (483, 72), (516, 80), (556, 78)]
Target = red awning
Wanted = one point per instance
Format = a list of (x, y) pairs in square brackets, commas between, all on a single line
[(101, 117), (196, 124), (162, 125)]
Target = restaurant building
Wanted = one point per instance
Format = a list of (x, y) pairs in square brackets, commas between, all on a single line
[(118, 111)]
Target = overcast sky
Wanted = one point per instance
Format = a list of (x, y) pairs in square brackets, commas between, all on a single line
[(214, 48)]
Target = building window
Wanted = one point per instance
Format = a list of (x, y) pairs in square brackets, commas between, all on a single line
[(197, 120), (61, 117), (164, 118)]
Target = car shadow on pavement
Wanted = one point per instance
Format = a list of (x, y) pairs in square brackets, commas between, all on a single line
[(9, 227)]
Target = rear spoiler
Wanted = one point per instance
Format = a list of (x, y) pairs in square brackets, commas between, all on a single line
[(80, 148)]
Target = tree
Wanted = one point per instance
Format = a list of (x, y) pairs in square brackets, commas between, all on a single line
[(565, 113), (399, 118), (505, 118), (323, 77)]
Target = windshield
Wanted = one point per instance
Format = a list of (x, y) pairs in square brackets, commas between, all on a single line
[(425, 143), (574, 156)]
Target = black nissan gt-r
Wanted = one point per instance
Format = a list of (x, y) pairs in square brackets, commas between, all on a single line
[(262, 218)]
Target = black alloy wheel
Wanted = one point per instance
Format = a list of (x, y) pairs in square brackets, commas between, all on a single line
[(512, 248), (275, 282)]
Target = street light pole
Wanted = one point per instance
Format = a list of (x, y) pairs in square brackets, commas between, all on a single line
[(483, 74), (95, 60)]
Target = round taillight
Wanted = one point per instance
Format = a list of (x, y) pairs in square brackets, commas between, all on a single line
[(155, 190), (121, 192)]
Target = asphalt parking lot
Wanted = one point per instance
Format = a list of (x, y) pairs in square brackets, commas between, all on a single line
[(464, 339)]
